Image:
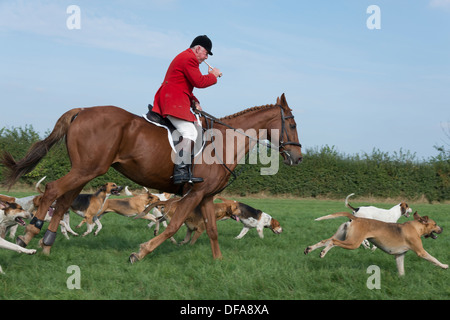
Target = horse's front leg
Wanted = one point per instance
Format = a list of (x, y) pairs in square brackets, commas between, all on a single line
[(209, 215), (184, 207)]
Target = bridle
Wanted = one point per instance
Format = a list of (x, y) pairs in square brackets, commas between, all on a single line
[(283, 131)]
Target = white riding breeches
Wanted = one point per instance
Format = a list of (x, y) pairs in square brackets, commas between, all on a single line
[(185, 128)]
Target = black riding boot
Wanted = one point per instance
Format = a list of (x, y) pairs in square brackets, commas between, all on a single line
[(182, 171)]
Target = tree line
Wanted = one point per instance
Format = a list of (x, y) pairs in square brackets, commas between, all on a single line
[(324, 172)]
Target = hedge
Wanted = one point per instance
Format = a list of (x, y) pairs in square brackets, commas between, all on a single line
[(324, 172)]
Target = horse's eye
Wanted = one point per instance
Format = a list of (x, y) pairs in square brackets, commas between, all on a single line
[(293, 126)]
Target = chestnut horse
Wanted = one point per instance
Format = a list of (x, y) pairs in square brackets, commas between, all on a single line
[(100, 137)]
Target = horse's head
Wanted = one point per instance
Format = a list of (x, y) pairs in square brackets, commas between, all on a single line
[(289, 145)]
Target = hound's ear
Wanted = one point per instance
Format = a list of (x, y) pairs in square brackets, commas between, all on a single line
[(424, 220), (416, 216), (3, 205), (6, 198)]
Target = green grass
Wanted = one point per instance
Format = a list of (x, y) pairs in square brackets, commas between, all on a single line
[(273, 268)]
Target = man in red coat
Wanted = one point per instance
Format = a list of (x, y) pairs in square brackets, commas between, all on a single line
[(174, 100)]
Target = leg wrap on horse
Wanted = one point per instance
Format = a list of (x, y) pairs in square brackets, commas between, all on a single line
[(37, 223), (49, 238)]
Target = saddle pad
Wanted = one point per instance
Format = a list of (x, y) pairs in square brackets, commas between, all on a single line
[(169, 134)]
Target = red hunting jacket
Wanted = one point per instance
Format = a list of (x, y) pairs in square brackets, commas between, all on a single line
[(175, 94)]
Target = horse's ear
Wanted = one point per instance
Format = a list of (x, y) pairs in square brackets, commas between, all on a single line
[(278, 101), (283, 101)]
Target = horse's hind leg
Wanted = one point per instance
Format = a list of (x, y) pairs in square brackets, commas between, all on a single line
[(74, 180), (62, 205)]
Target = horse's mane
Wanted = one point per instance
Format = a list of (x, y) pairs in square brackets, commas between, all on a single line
[(248, 110)]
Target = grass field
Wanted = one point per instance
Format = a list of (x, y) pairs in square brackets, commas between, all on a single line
[(273, 268)]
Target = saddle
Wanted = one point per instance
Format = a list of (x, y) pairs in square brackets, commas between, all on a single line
[(158, 119)]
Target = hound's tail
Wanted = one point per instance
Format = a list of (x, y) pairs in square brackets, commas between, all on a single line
[(347, 204), (131, 194), (38, 185), (128, 192), (223, 199), (14, 170), (337, 215)]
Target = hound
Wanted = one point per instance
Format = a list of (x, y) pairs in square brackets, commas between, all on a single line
[(130, 207), (164, 196), (391, 215), (31, 204), (255, 218), (89, 206), (392, 238), (195, 222), (11, 214)]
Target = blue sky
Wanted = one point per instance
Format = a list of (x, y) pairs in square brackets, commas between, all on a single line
[(350, 87)]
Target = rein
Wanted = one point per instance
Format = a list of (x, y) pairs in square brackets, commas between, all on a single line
[(213, 119), (283, 128)]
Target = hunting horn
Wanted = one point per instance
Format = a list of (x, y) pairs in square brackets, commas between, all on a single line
[(211, 67)]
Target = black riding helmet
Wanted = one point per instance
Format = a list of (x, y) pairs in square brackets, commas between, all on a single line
[(203, 41)]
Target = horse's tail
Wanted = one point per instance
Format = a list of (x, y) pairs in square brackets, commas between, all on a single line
[(37, 151), (337, 215)]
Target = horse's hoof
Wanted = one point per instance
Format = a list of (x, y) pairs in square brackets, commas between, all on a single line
[(45, 249), (133, 258)]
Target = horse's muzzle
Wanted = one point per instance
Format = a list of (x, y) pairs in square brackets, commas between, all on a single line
[(290, 159)]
